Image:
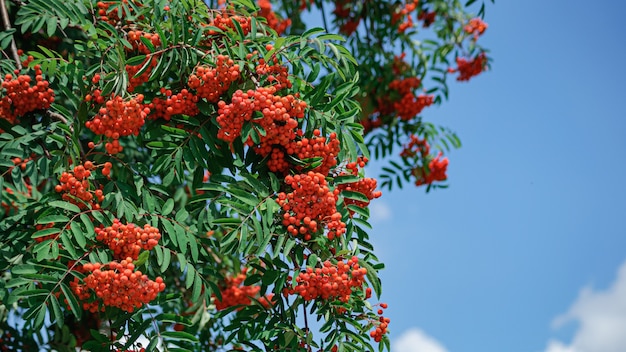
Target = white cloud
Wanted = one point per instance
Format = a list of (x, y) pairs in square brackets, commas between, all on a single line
[(602, 319), (379, 211), (557, 346), (415, 340)]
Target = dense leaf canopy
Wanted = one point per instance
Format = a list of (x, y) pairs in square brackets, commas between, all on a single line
[(188, 176)]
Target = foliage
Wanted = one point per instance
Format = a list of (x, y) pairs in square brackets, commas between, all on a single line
[(191, 174)]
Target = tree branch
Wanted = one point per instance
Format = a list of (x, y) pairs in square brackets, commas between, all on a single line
[(7, 27)]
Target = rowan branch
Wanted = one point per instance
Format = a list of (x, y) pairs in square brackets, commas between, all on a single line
[(6, 23)]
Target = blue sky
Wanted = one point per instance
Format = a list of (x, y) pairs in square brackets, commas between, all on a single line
[(522, 251)]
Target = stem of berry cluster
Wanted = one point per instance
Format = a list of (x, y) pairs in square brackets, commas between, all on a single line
[(6, 23)]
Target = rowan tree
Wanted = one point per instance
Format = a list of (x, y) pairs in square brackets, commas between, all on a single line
[(191, 173)]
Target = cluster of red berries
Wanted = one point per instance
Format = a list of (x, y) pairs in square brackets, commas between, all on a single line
[(436, 168), (211, 82), (365, 186), (134, 38), (277, 161), (469, 68), (475, 26), (113, 17), (436, 171), (134, 82), (75, 187), (381, 325), (398, 65), (19, 96), (183, 102), (330, 282), (318, 147), (118, 118), (278, 116), (309, 206), (427, 17), (272, 20), (275, 74), (234, 293), (409, 105), (21, 163), (404, 12), (126, 240), (224, 21), (342, 8), (415, 146), (116, 284)]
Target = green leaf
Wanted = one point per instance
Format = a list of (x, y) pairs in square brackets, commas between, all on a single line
[(52, 219), (64, 205), (167, 207), (355, 195), (22, 269), (179, 336), (72, 302), (56, 310), (78, 234)]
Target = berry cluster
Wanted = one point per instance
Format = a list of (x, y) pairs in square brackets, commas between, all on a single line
[(475, 26), (469, 68), (365, 186), (415, 146), (134, 82), (224, 21), (278, 116), (21, 163), (75, 187), (433, 169), (113, 17), (330, 282), (427, 17), (309, 206), (19, 97), (274, 73), (272, 20), (115, 284), (409, 105), (436, 171), (404, 12), (210, 83), (126, 240), (183, 102), (118, 118), (134, 38), (234, 293), (382, 324), (318, 147)]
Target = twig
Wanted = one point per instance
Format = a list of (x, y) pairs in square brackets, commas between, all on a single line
[(56, 116), (7, 27), (306, 326), (324, 16)]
